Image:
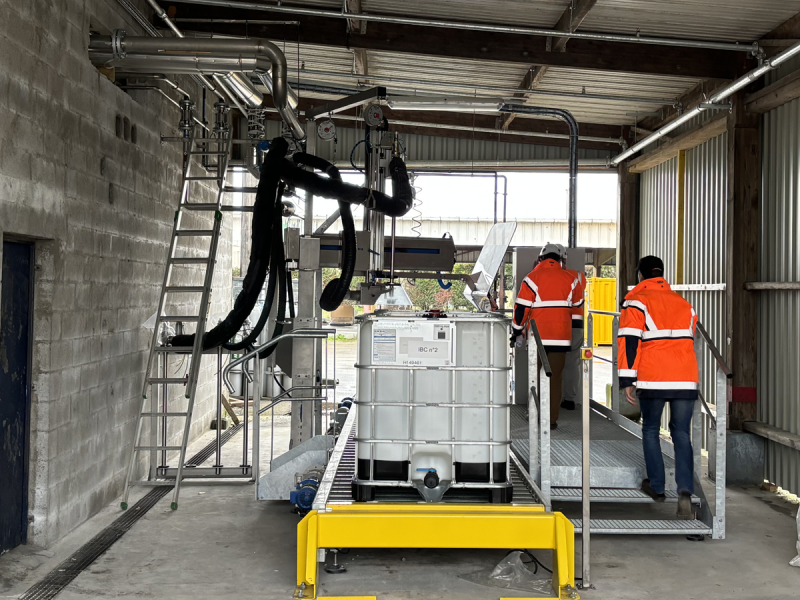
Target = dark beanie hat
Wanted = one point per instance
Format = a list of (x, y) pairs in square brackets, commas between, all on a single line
[(651, 266)]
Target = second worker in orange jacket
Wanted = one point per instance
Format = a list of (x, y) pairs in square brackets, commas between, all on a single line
[(547, 295)]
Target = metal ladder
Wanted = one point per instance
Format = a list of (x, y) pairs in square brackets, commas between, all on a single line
[(194, 151)]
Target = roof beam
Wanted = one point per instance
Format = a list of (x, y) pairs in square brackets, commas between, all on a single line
[(570, 20), (779, 93), (357, 27), (687, 101), (479, 45)]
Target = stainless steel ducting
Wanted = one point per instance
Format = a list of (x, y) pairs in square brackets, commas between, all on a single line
[(196, 55)]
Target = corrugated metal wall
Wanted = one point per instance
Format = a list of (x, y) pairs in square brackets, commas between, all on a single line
[(779, 311), (705, 222), (427, 147), (659, 214)]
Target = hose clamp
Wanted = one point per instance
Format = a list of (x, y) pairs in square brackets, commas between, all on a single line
[(117, 43)]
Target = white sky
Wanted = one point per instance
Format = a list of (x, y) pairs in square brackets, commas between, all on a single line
[(540, 196)]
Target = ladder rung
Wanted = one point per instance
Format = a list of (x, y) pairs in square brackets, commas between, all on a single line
[(194, 232), (167, 380), (243, 190), (202, 178), (164, 414), (209, 153), (173, 318), (199, 206), (184, 288), (157, 448), (174, 349), (189, 261)]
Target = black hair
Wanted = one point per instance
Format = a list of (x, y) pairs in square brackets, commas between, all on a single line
[(650, 267)]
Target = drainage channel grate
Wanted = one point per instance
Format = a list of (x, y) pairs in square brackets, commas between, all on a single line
[(63, 574), (60, 577)]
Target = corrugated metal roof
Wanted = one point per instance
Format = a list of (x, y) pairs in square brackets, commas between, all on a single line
[(733, 20)]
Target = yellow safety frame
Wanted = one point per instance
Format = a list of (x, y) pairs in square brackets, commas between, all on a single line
[(456, 526)]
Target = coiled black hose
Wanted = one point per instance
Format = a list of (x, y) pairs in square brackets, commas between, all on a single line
[(336, 290)]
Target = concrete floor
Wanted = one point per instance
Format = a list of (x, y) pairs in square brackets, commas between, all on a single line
[(222, 543)]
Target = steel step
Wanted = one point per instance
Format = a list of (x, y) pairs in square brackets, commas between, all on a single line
[(622, 495), (172, 289), (183, 318), (164, 414), (202, 178), (167, 380), (194, 232), (644, 527), (185, 260), (168, 448), (174, 349)]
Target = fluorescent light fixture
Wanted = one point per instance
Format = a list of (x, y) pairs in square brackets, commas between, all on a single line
[(454, 103)]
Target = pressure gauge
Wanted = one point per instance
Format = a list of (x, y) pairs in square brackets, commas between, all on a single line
[(373, 115), (326, 130)]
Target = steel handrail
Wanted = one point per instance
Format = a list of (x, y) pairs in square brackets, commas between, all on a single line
[(603, 312), (715, 351), (297, 333), (706, 408), (542, 354)]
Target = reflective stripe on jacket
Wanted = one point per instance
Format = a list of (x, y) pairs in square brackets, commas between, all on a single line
[(656, 342), (578, 305), (546, 296)]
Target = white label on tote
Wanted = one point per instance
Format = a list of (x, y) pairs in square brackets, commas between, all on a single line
[(413, 343)]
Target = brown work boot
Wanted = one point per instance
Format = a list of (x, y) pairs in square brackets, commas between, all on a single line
[(651, 492), (685, 510)]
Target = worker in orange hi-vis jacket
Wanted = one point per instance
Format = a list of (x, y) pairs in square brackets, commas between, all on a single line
[(546, 296), (572, 366), (656, 355)]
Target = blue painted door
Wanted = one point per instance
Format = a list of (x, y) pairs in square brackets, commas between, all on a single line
[(15, 338)]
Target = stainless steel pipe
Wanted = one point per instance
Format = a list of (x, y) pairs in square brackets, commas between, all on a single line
[(214, 54), (716, 98), (533, 31)]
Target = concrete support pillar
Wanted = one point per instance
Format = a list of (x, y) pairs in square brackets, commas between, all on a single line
[(744, 225), (627, 230)]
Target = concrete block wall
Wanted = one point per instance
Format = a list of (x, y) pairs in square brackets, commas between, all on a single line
[(100, 210)]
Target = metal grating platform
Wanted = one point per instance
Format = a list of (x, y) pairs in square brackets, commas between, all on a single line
[(648, 527), (630, 496), (616, 455)]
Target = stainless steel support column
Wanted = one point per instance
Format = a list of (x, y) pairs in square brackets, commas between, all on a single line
[(723, 397), (218, 463), (585, 490), (304, 351), (245, 432), (257, 391), (614, 365), (544, 437), (534, 457)]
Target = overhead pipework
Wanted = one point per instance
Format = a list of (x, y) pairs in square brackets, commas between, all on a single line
[(713, 102), (200, 56), (754, 49)]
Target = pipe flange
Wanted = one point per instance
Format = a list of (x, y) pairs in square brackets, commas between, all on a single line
[(118, 43)]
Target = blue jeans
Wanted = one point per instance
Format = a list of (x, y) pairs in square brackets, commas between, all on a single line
[(680, 426)]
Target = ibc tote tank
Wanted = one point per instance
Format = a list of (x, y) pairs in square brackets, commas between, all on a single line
[(427, 383)]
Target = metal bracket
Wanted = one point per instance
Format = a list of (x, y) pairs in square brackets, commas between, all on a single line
[(117, 43)]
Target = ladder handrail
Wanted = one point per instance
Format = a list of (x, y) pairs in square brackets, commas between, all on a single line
[(297, 333), (542, 354), (714, 350)]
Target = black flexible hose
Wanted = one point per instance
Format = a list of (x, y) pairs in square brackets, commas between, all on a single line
[(266, 197), (336, 290), (280, 313), (276, 225), (393, 206)]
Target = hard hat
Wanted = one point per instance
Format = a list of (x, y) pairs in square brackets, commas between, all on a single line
[(558, 249)]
